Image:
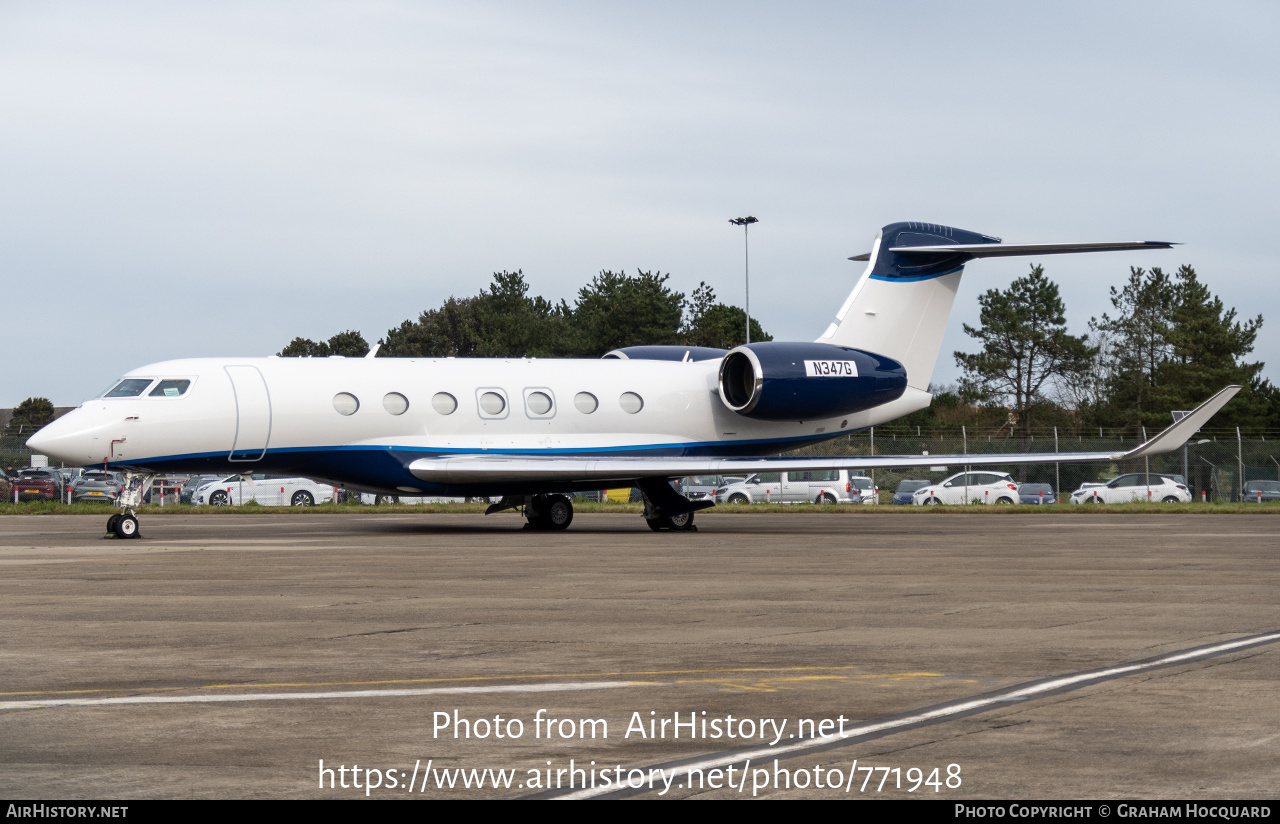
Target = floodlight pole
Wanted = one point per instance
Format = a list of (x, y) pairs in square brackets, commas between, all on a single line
[(744, 222)]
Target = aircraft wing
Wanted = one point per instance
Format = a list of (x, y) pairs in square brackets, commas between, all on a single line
[(523, 468)]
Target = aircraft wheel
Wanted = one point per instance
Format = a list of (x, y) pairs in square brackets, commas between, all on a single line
[(557, 512), (679, 523), (112, 522), (654, 523), (127, 527), (219, 498), (738, 499), (302, 498)]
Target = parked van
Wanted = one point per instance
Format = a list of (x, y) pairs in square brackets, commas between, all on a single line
[(816, 486)]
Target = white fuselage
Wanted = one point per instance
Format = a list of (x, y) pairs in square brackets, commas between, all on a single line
[(284, 415)]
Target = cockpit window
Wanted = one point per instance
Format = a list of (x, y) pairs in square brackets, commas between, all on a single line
[(129, 388), (171, 388)]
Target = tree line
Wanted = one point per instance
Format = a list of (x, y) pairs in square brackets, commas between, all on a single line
[(1167, 345), (505, 321)]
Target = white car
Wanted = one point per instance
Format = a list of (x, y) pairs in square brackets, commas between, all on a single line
[(981, 487), (1133, 487), (265, 490)]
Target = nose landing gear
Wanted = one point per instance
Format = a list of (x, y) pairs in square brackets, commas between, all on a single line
[(125, 524)]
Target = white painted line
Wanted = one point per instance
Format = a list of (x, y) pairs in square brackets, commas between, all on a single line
[(945, 711), (305, 696)]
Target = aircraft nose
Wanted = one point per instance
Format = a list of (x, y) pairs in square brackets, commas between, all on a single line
[(63, 440)]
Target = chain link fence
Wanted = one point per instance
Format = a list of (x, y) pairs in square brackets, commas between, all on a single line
[(1214, 464)]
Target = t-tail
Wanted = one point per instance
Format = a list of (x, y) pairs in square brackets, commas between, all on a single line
[(900, 305)]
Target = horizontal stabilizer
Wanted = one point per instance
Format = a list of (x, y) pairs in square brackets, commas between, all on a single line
[(983, 250), (550, 469)]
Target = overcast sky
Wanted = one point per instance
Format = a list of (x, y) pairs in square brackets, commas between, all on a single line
[(187, 179)]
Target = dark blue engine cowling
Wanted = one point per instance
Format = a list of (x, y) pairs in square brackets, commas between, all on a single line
[(807, 381)]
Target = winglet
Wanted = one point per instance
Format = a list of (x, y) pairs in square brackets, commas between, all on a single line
[(1178, 434)]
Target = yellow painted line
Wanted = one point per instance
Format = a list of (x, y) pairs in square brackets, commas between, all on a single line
[(474, 678)]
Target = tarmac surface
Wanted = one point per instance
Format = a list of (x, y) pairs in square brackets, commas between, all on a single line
[(228, 656)]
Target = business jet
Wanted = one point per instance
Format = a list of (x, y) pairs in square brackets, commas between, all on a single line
[(532, 431)]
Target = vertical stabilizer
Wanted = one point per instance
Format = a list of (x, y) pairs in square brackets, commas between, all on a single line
[(900, 305)]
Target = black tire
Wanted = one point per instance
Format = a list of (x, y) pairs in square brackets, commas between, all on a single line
[(654, 523), (379, 500), (932, 502), (739, 499), (127, 527), (1092, 500), (557, 512), (219, 497), (825, 498), (111, 523), (1004, 501), (1169, 499), (302, 498), (678, 523)]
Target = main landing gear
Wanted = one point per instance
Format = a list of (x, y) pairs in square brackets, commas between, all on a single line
[(665, 510), (125, 524), (668, 510), (552, 512)]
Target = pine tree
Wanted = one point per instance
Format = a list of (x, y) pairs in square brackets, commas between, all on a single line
[(1025, 346)]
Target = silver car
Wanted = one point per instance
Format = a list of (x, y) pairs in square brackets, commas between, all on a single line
[(818, 486)]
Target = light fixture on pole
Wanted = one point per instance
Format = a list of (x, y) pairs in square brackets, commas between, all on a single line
[(744, 222)]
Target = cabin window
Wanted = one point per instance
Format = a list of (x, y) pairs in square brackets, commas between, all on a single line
[(585, 402), (170, 389), (631, 402), (395, 403), (492, 404), (129, 388), (538, 403), (444, 403), (345, 403)]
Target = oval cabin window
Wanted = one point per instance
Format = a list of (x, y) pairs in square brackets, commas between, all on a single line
[(395, 403), (539, 403), (631, 402), (345, 403), (492, 403), (444, 403)]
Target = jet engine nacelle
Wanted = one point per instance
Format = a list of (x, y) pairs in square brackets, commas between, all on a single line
[(807, 381)]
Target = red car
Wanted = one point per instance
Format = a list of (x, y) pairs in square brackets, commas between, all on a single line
[(37, 485)]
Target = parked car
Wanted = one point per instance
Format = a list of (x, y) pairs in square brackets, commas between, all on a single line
[(700, 487), (190, 485), (903, 494), (1259, 491), (869, 492), (265, 490), (1137, 486), (37, 485), (821, 486), (981, 488), (1037, 494), (97, 485)]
